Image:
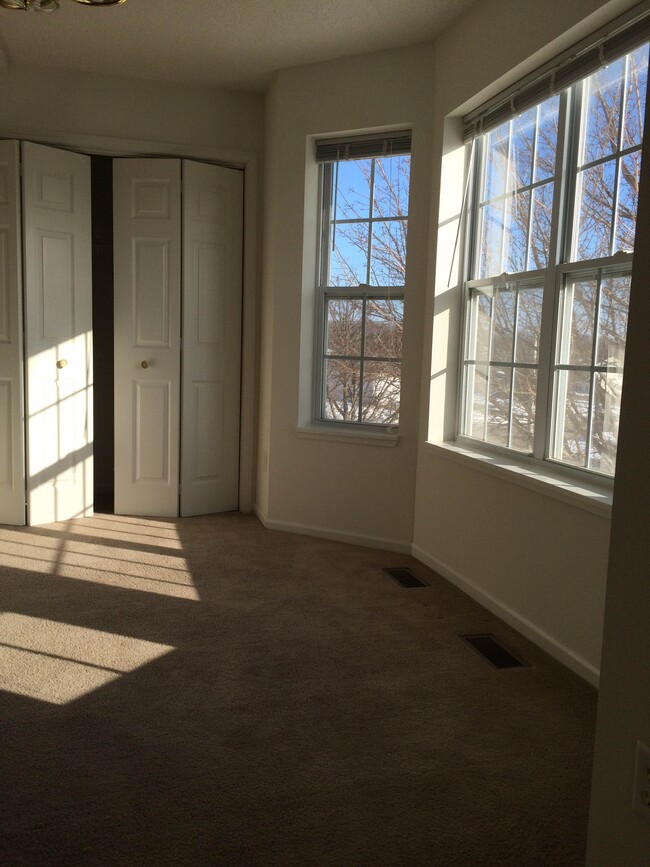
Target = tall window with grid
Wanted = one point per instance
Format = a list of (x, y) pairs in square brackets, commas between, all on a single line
[(364, 224), (552, 228)]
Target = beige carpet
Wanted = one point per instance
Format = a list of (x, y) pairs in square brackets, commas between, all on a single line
[(205, 691)]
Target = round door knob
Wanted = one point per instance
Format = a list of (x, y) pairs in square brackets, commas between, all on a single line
[(61, 363), (144, 364)]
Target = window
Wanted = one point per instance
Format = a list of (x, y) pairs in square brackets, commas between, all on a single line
[(551, 235), (363, 231)]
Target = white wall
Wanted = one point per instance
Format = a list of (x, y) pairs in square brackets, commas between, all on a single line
[(348, 490), (121, 108)]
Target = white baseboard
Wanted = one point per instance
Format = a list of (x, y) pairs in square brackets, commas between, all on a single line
[(333, 535), (542, 639), (538, 636), (259, 514)]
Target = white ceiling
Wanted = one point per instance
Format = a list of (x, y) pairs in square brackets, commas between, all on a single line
[(235, 44)]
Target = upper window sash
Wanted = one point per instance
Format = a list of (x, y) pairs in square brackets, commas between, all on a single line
[(364, 222), (516, 171), (608, 134)]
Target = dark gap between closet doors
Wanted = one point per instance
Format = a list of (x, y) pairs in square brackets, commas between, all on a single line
[(102, 271)]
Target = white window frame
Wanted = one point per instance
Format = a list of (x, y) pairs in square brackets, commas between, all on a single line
[(364, 291), (559, 269)]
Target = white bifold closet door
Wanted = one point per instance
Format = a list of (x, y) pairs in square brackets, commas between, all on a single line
[(58, 333), (147, 320), (12, 435), (212, 308), (177, 401)]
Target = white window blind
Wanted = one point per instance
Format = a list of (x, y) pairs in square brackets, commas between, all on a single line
[(619, 38), (388, 144)]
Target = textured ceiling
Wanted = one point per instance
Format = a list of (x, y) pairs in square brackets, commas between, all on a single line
[(234, 44)]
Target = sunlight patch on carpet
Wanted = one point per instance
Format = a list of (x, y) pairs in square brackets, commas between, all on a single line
[(100, 561), (58, 662), (124, 528)]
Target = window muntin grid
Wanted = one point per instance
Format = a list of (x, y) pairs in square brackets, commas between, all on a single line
[(609, 162), (362, 360), (576, 416), (516, 196), (367, 220), (501, 364), (363, 244), (588, 369)]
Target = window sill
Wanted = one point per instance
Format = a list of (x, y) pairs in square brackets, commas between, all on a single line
[(337, 434), (584, 495)]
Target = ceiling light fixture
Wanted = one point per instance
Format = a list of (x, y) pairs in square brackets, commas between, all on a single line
[(52, 5)]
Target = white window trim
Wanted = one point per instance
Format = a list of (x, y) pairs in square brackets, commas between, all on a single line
[(529, 473), (351, 433)]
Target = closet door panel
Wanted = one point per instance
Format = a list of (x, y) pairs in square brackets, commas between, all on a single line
[(58, 333), (212, 301), (12, 454), (147, 251)]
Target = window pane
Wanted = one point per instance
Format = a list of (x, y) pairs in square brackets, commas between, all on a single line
[(388, 262), (349, 258), (516, 242), (342, 379), (603, 111), (628, 199), (604, 433), (635, 96), (503, 329), (579, 306), (547, 139), (498, 405), (391, 193), (529, 323), (384, 318), (595, 193), (381, 389), (477, 388), (540, 227), (521, 154), (344, 316), (353, 197), (571, 412), (524, 395), (496, 162), (612, 328), (491, 240), (482, 314)]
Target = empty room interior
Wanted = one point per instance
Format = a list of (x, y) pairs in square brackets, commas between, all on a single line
[(293, 293)]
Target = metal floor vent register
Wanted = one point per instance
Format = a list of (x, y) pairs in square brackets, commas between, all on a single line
[(493, 652), (405, 576)]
